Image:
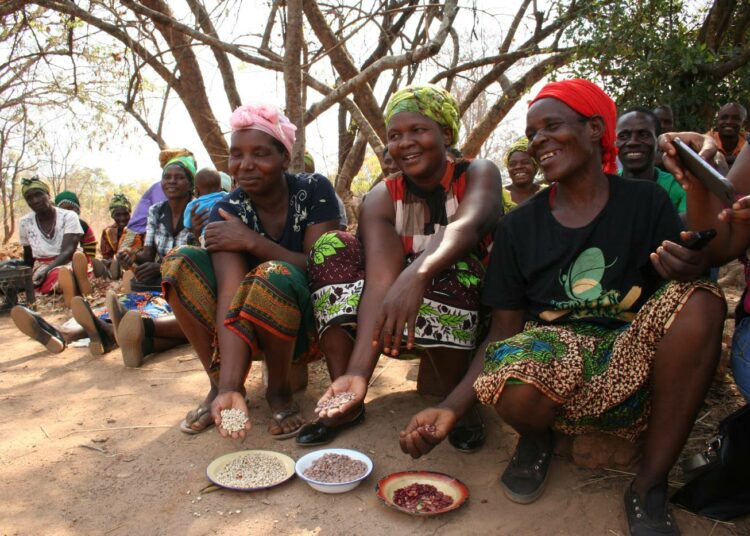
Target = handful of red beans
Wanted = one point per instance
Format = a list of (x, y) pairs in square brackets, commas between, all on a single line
[(421, 498)]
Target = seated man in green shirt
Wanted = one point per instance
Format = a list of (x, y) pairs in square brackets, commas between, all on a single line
[(637, 130)]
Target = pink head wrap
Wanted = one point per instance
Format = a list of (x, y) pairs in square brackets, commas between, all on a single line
[(267, 119)]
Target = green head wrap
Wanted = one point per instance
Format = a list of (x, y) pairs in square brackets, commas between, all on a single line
[(67, 197), (119, 201), (520, 145), (186, 162), (309, 161), (34, 183), (428, 100)]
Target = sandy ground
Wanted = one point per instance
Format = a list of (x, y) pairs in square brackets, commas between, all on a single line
[(146, 476)]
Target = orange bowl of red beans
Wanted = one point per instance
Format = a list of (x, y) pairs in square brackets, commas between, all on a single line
[(422, 493)]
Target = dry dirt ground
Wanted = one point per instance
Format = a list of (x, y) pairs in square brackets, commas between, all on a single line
[(88, 447)]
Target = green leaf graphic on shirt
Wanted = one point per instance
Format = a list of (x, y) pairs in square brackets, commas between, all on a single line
[(353, 300), (450, 320), (326, 246), (583, 280)]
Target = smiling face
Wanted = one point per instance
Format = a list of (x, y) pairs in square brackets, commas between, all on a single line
[(564, 143), (256, 162), (121, 215), (417, 145), (729, 120), (175, 182), (521, 168), (37, 200), (636, 143)]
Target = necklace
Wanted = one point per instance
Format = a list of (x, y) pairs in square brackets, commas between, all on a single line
[(49, 233)]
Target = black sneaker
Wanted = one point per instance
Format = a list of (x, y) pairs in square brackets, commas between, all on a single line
[(653, 518), (523, 480)]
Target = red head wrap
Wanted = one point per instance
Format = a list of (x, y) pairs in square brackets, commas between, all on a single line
[(588, 99)]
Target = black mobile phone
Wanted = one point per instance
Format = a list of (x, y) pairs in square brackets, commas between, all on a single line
[(702, 170), (700, 239)]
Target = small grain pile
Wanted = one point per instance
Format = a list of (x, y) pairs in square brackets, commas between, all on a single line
[(233, 420), (335, 402), (256, 470), (335, 469)]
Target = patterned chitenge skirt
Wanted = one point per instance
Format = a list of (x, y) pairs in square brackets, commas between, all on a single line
[(599, 376), (448, 317), (273, 296)]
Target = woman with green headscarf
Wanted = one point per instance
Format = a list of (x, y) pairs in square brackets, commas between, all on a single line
[(423, 234), (165, 225), (522, 170)]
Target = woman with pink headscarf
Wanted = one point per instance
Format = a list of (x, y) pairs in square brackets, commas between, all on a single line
[(244, 297)]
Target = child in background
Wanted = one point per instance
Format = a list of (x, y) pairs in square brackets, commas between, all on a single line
[(208, 191)]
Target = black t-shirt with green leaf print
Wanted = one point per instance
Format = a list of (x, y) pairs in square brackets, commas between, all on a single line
[(599, 273)]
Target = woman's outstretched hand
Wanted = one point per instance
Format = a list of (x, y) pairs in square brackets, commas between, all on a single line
[(676, 262), (348, 383), (426, 430), (230, 400)]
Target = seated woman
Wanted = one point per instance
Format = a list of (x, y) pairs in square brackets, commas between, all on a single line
[(119, 210), (522, 170), (417, 270), (74, 281), (49, 236), (246, 297), (598, 321), (165, 227)]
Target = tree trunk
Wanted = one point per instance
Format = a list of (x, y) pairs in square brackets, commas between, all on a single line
[(293, 80)]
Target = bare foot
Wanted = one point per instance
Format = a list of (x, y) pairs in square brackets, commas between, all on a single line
[(199, 419)]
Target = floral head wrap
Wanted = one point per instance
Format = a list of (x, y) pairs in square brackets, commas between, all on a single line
[(187, 163), (267, 119), (588, 99), (119, 201), (67, 199), (428, 100), (309, 161), (521, 145), (34, 183)]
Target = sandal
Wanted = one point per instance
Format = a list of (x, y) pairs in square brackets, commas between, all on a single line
[(281, 416), (33, 325), (197, 414), (101, 342), (135, 338), (524, 478), (655, 517)]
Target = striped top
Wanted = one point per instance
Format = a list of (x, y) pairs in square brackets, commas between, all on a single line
[(413, 214)]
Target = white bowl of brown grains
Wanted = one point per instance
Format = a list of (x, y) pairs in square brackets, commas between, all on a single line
[(334, 470)]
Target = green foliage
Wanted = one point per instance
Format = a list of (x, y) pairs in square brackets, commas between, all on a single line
[(649, 53)]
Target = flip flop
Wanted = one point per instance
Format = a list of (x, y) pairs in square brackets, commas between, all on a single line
[(32, 325), (197, 414), (101, 342), (114, 269), (280, 416), (80, 272), (67, 283)]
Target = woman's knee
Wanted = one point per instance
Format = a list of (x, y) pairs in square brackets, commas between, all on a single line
[(705, 311), (524, 404)]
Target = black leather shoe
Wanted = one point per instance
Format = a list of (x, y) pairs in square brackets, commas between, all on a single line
[(317, 433), (468, 437)]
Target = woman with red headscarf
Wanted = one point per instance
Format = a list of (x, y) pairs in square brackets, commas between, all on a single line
[(597, 313)]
